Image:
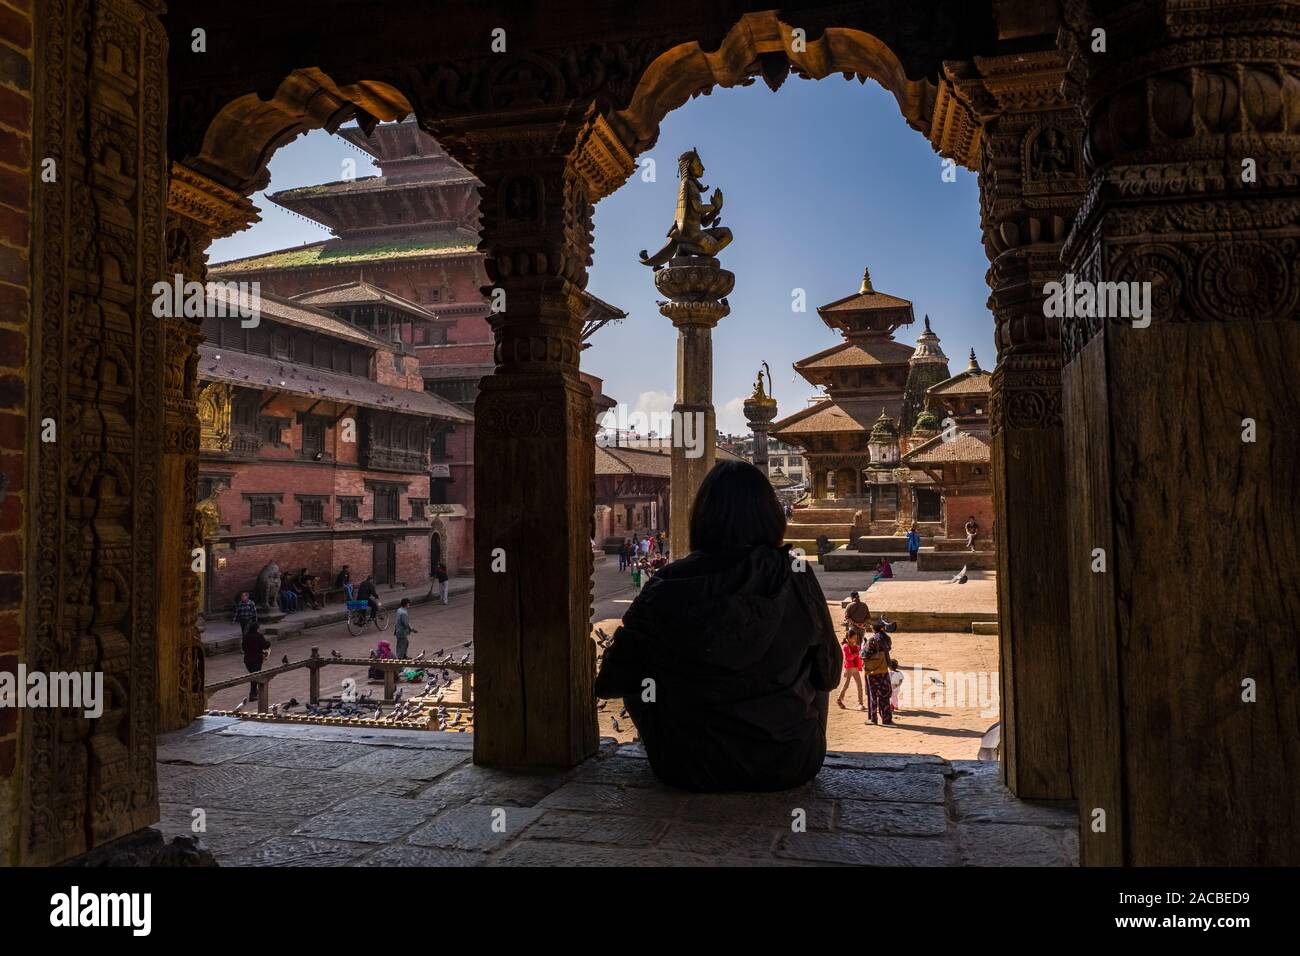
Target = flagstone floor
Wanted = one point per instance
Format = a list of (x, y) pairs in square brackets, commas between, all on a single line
[(303, 795)]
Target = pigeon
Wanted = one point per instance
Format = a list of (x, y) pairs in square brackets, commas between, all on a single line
[(623, 713), (467, 644), (335, 654), (601, 705), (618, 728), (241, 703), (285, 659), (398, 694), (419, 656), (960, 577), (465, 659), (935, 680)]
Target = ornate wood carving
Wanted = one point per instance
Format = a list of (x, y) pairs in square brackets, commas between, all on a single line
[(97, 370)]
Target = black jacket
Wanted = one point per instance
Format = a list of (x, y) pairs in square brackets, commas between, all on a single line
[(743, 656)]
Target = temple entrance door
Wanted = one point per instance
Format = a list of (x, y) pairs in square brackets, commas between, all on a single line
[(435, 551), (384, 563), (928, 505)]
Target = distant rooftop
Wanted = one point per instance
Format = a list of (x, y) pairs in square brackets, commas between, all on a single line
[(335, 252)]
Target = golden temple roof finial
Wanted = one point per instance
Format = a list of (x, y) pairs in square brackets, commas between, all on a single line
[(866, 281)]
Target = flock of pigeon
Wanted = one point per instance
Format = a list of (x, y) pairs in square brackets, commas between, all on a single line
[(425, 708)]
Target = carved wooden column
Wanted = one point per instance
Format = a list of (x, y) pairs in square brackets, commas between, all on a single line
[(1182, 434), (533, 445), (1031, 180), (96, 376), (198, 211)]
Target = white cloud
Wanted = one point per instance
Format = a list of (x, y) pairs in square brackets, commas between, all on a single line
[(654, 403), (731, 417)]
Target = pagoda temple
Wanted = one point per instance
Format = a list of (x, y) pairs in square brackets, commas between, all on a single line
[(882, 399)]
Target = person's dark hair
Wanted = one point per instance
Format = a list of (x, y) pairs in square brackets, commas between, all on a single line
[(735, 508), (406, 602)]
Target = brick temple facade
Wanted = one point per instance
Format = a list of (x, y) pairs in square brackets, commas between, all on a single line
[(315, 439)]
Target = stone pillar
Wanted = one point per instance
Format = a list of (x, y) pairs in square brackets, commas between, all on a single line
[(759, 413), (1031, 180), (1183, 461), (696, 287), (533, 443), (95, 375), (198, 211)]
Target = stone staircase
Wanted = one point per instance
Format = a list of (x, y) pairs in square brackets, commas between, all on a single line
[(828, 516)]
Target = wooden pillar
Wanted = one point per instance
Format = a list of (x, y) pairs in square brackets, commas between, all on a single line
[(533, 446), (1183, 461), (95, 372), (1031, 179), (198, 211)]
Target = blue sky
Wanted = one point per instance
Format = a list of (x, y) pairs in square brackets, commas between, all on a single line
[(820, 179)]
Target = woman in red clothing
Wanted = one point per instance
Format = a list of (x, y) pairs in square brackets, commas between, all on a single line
[(852, 666)]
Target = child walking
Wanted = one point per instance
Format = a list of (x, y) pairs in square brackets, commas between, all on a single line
[(852, 666)]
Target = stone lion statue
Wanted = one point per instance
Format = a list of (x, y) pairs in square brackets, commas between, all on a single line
[(266, 593)]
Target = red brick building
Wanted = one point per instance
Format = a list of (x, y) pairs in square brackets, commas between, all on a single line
[(315, 449), (407, 238)]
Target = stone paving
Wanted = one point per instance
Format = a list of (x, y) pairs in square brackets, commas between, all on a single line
[(304, 795)]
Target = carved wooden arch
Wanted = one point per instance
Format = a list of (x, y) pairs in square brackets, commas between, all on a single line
[(245, 134), (760, 44)]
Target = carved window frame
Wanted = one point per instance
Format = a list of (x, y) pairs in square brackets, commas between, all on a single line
[(253, 501), (320, 503)]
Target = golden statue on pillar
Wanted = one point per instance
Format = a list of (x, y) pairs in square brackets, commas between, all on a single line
[(695, 230), (761, 395)]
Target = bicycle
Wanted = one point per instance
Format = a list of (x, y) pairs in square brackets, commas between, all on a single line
[(359, 615)]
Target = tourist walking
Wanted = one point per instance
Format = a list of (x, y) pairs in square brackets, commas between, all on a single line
[(440, 575), (852, 667), (245, 613), (402, 630), (256, 648), (856, 612), (972, 531), (739, 646), (913, 543), (875, 664)]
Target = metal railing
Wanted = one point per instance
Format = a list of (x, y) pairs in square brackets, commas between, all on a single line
[(391, 666)]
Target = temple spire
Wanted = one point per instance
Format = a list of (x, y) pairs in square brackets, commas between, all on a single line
[(974, 364), (866, 282), (927, 324)]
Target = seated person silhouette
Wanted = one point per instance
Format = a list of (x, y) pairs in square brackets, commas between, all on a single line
[(726, 659)]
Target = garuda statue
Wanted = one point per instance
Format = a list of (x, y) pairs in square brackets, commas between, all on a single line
[(695, 230)]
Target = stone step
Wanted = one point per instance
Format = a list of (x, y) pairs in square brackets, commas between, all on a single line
[(825, 514), (813, 530), (930, 560), (809, 545), (849, 559), (983, 543), (882, 544)]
